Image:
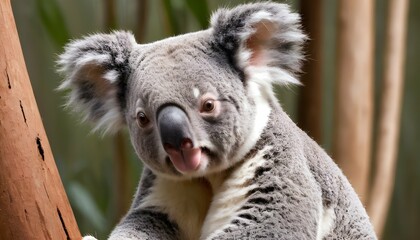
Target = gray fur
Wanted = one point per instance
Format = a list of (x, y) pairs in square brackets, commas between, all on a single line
[(85, 63), (284, 47), (235, 61)]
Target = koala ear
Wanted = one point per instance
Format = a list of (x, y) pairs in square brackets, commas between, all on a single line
[(96, 69), (261, 38)]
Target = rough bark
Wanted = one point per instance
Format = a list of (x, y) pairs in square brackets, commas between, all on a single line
[(354, 91), (33, 203), (389, 115), (310, 97)]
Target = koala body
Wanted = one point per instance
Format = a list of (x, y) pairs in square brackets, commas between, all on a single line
[(222, 159)]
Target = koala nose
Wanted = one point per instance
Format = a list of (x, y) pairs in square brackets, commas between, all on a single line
[(174, 128)]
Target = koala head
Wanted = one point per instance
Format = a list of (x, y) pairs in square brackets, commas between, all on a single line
[(194, 104)]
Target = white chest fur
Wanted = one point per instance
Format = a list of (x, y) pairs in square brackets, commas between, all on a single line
[(185, 202), (202, 207)]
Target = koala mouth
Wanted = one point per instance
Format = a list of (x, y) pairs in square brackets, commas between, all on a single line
[(185, 159)]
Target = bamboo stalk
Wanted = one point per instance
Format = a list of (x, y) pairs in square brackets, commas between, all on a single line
[(354, 91), (389, 115), (310, 97), (33, 203)]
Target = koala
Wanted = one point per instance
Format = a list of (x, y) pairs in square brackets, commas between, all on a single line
[(222, 160)]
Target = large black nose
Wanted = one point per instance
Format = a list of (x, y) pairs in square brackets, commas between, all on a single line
[(174, 128)]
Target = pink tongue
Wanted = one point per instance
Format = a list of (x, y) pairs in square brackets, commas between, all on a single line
[(186, 160)]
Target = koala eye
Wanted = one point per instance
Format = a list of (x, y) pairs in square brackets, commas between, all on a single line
[(142, 119), (208, 106)]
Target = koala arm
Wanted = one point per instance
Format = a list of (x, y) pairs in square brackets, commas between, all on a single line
[(144, 223)]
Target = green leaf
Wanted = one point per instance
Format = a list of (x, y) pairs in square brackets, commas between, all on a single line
[(53, 20), (200, 10), (83, 202)]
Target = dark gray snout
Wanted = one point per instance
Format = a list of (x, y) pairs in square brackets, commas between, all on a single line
[(174, 128)]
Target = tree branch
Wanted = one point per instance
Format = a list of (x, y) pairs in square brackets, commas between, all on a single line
[(310, 97), (389, 115), (354, 91)]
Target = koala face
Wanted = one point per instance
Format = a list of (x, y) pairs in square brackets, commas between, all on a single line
[(194, 104), (195, 113)]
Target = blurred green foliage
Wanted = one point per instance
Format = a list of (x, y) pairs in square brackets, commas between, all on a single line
[(200, 10), (171, 17), (86, 161), (53, 21)]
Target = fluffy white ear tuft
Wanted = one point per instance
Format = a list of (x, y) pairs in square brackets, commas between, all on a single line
[(262, 38), (96, 69)]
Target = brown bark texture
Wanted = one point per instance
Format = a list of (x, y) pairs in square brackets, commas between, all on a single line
[(353, 110), (33, 203), (310, 97), (389, 115)]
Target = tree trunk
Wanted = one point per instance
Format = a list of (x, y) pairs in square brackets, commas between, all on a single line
[(33, 203), (354, 91), (389, 116), (123, 196), (110, 15), (310, 97), (121, 192), (142, 19)]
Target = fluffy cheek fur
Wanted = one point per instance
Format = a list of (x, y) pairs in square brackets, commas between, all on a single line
[(226, 135), (148, 148)]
